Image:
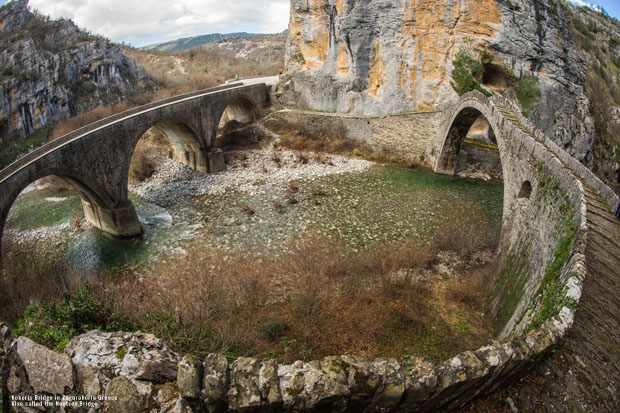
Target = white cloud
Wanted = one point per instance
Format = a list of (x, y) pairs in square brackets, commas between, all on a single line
[(142, 22)]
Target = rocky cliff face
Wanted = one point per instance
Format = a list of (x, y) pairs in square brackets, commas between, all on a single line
[(387, 56), (51, 70)]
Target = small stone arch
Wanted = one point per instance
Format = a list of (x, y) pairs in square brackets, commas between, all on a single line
[(526, 191), (239, 112), (184, 143)]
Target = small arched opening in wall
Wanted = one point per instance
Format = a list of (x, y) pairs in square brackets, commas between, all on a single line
[(525, 192), (4, 131), (166, 139), (231, 131), (494, 78)]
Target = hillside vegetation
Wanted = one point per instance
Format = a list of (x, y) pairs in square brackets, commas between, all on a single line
[(195, 41), (597, 37), (211, 64)]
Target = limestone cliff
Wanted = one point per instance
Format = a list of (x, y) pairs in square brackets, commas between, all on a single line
[(51, 70), (388, 56)]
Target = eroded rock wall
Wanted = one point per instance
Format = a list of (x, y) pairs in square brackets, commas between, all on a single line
[(51, 70), (389, 56)]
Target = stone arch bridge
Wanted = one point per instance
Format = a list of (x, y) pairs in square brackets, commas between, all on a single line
[(95, 159)]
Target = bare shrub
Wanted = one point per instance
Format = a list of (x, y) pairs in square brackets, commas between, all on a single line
[(247, 209), (290, 199), (465, 234), (292, 187), (277, 205), (86, 118), (472, 287), (276, 157), (301, 158), (318, 191), (142, 167), (26, 281)]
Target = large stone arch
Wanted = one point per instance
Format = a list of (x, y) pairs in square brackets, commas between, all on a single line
[(451, 136), (100, 209)]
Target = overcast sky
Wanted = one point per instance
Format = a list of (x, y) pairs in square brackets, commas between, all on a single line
[(142, 22)]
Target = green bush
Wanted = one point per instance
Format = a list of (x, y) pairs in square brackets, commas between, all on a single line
[(54, 322), (527, 92), (467, 73)]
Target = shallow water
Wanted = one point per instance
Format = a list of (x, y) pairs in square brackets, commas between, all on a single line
[(386, 203)]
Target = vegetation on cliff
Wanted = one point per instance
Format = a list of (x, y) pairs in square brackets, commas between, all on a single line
[(469, 73), (598, 38)]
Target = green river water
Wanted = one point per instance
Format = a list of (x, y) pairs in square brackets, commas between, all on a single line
[(385, 203)]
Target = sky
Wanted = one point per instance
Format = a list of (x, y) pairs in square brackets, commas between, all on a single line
[(143, 22)]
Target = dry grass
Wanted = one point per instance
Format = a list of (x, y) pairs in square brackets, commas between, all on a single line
[(86, 118), (306, 134), (315, 298)]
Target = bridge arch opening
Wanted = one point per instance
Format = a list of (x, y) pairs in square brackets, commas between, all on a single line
[(470, 147), (238, 114), (171, 139), (52, 202)]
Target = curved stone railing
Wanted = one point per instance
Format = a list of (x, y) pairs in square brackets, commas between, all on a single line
[(577, 167), (108, 367), (63, 140)]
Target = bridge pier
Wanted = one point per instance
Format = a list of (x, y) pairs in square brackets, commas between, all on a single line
[(121, 221), (215, 161)]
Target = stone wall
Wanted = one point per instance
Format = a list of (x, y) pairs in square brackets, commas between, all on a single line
[(121, 372), (408, 135)]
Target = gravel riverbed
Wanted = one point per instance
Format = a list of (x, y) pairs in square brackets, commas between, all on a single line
[(252, 171)]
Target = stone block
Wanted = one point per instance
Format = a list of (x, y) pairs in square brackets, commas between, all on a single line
[(244, 392), (189, 377), (215, 382), (48, 371)]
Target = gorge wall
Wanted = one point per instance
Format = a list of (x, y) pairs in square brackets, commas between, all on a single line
[(51, 70), (389, 56)]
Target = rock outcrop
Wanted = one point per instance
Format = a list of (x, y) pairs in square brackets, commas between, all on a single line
[(51, 70), (389, 56)]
